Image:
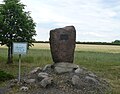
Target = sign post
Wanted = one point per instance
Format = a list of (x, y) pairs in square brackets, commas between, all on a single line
[(19, 48), (19, 67)]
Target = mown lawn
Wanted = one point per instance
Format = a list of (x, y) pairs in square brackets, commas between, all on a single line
[(104, 60)]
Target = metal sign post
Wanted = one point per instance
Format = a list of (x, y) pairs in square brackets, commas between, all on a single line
[(19, 48), (19, 67)]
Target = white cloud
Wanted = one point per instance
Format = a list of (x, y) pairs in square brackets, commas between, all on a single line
[(95, 20)]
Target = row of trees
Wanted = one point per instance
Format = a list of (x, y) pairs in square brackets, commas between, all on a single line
[(16, 25), (116, 42)]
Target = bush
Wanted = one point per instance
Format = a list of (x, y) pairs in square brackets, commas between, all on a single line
[(5, 76)]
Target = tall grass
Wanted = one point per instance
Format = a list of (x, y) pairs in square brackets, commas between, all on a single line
[(103, 60), (34, 58)]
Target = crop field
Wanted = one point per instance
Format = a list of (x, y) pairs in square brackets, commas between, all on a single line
[(104, 60)]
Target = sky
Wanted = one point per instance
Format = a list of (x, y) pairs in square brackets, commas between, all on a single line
[(94, 20)]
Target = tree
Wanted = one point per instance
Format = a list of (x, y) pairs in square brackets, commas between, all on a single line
[(116, 42), (16, 25)]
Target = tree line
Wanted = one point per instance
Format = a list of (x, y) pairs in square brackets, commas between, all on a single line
[(116, 42)]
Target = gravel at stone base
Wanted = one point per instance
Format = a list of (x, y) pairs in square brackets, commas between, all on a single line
[(62, 83)]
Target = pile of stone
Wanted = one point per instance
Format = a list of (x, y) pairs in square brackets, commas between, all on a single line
[(61, 78)]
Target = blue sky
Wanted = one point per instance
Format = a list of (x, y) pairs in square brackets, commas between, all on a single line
[(94, 20)]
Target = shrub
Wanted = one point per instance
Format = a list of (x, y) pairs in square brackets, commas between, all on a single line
[(5, 76)]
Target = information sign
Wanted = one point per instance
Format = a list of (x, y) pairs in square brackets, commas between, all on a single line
[(19, 48)]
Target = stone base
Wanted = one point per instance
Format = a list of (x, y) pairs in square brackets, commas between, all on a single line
[(63, 67)]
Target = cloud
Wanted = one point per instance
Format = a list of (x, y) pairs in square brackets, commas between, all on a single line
[(94, 20)]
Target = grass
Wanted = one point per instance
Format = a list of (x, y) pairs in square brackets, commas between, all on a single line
[(5, 76), (106, 65), (34, 58), (104, 60)]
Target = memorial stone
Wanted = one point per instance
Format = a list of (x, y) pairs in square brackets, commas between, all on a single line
[(62, 44)]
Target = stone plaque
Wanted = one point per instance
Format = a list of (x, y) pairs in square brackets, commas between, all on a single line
[(62, 44)]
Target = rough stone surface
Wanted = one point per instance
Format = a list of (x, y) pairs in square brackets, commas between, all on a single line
[(42, 75), (91, 80), (62, 44), (14, 80), (60, 70), (24, 88), (47, 66), (30, 81), (92, 75), (46, 81), (79, 70), (35, 70), (64, 67), (76, 81)]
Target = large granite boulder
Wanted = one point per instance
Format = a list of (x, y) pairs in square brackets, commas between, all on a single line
[(62, 44)]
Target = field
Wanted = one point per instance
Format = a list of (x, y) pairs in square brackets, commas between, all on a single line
[(104, 60)]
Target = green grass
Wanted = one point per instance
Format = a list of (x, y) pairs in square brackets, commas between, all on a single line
[(5, 76), (103, 60), (34, 58), (106, 65)]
